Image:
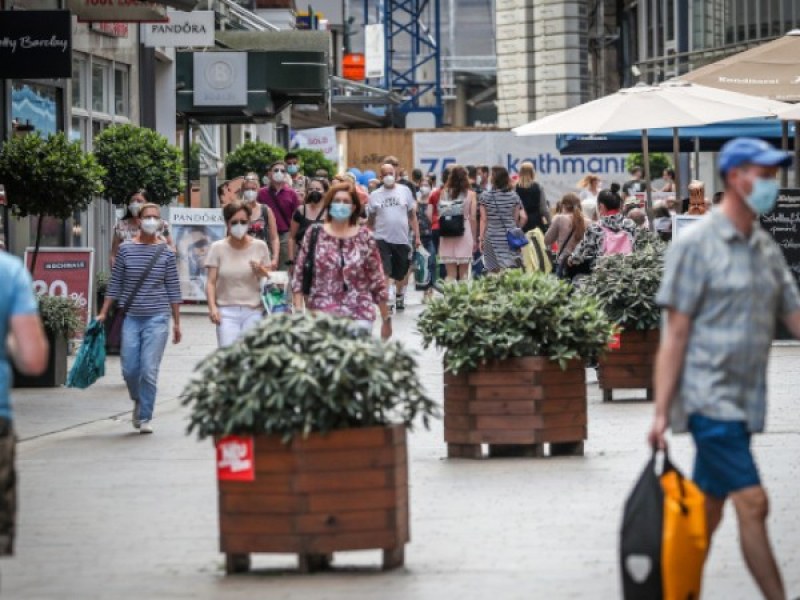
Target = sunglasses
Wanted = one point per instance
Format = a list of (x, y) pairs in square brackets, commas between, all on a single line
[(279, 171), (240, 223)]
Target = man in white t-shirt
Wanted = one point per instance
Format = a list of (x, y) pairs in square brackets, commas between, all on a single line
[(391, 213)]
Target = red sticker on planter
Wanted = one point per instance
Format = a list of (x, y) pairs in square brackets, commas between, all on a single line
[(616, 342), (235, 459)]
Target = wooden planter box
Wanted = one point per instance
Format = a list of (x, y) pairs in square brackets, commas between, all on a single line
[(56, 373), (346, 490), (516, 406), (631, 365)]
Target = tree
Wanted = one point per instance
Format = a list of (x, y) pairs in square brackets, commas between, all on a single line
[(137, 158), (48, 177), (313, 160), (658, 162), (252, 156)]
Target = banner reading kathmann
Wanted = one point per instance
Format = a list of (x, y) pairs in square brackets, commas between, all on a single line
[(194, 230), (67, 272)]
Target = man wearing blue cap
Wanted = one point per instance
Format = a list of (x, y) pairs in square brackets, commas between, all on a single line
[(725, 281)]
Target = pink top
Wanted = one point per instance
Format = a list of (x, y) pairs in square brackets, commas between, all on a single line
[(348, 275)]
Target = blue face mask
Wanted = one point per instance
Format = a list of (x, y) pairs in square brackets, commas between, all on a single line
[(764, 196), (292, 169), (340, 211)]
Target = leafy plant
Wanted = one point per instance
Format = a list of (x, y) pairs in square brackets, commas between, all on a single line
[(101, 281), (296, 374), (138, 158), (60, 315), (312, 160), (48, 177), (658, 162), (511, 315), (252, 156), (626, 287)]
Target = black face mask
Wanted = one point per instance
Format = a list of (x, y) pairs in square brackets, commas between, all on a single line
[(314, 197)]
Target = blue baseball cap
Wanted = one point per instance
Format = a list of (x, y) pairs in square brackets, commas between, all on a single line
[(751, 151)]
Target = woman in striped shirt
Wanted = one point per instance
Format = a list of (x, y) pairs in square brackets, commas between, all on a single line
[(501, 210), (146, 262)]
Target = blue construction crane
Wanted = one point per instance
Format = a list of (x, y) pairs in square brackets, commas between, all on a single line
[(412, 36)]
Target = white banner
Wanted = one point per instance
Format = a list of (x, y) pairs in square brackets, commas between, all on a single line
[(182, 30), (193, 231), (322, 139), (374, 51), (556, 173)]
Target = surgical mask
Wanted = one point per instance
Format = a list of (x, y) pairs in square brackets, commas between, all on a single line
[(388, 181), (763, 197), (239, 231), (314, 197), (340, 211), (150, 225), (292, 169), (425, 190), (277, 177), (250, 195), (135, 208), (479, 180)]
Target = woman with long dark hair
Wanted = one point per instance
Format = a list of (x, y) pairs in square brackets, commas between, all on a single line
[(568, 228), (501, 210), (457, 224)]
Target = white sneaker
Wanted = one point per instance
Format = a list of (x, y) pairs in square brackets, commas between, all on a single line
[(135, 415), (145, 427)]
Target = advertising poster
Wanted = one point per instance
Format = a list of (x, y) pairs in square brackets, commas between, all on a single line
[(193, 231), (322, 139), (67, 272)]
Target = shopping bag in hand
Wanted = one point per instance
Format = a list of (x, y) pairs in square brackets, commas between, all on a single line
[(90, 363), (663, 543)]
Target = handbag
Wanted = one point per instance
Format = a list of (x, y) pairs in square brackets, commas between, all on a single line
[(451, 224), (514, 235), (114, 328), (308, 263), (90, 363), (560, 262)]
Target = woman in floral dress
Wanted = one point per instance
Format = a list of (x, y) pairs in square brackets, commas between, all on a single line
[(348, 277)]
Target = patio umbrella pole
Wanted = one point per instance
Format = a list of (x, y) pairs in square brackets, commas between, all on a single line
[(785, 147), (647, 187), (676, 160)]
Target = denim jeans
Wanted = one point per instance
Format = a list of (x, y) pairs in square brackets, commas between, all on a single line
[(143, 342), (235, 321), (427, 243)]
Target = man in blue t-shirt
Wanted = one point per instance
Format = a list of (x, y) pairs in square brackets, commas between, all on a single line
[(21, 329)]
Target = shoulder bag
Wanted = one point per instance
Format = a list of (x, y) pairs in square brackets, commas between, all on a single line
[(308, 263), (560, 266), (114, 329)]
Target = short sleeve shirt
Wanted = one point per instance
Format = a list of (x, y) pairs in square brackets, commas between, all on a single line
[(391, 208), (237, 285), (16, 298), (733, 288)]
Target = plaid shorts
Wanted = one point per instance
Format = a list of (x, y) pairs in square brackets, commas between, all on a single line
[(8, 488)]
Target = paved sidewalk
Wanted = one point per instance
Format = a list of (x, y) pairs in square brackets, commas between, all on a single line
[(107, 513)]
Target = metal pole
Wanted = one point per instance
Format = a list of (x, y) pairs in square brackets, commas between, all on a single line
[(648, 192), (797, 154), (187, 162), (696, 173), (785, 146), (676, 159)]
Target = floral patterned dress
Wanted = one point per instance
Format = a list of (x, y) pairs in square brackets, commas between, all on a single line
[(348, 275)]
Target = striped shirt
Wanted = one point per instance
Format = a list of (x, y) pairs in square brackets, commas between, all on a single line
[(160, 288), (732, 287), (500, 206)]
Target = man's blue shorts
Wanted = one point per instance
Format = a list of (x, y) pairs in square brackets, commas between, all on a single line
[(724, 462)]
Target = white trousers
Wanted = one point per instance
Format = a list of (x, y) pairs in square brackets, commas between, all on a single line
[(235, 321)]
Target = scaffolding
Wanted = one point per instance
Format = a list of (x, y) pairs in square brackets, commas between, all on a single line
[(413, 60)]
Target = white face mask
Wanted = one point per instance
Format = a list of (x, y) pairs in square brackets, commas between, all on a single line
[(425, 190), (150, 225), (277, 177), (238, 231), (388, 181), (250, 195), (135, 208)]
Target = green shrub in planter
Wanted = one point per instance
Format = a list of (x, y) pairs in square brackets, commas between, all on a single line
[(626, 287), (60, 316), (297, 374), (512, 315)]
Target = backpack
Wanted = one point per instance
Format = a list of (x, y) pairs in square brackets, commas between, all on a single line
[(451, 217), (616, 242)]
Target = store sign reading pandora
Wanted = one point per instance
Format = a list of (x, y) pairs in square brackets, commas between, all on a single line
[(183, 30)]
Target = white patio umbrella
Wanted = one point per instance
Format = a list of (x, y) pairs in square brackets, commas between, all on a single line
[(671, 104)]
